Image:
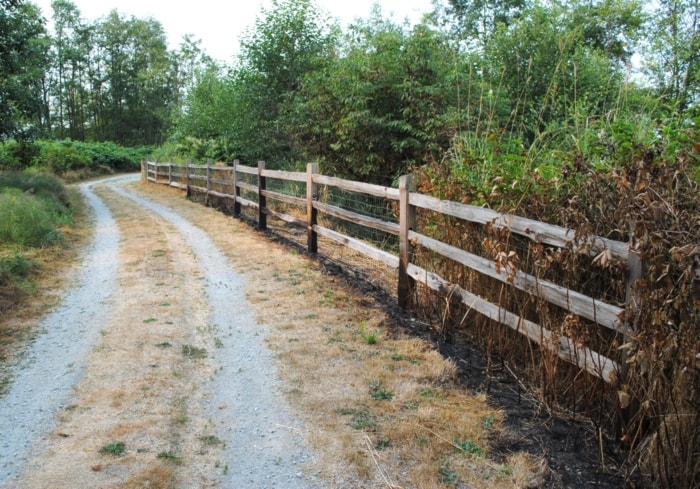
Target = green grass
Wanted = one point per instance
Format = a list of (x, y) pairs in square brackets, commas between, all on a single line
[(116, 448), (27, 221), (194, 352), (170, 457), (369, 338), (379, 393)]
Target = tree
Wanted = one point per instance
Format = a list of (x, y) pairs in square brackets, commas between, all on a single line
[(547, 66), (289, 41), (387, 103), (23, 61), (71, 49), (135, 80), (479, 19), (612, 27), (673, 60)]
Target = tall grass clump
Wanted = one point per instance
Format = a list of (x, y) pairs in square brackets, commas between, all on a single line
[(26, 221), (33, 210)]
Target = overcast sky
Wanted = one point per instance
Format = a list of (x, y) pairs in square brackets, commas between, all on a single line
[(219, 24)]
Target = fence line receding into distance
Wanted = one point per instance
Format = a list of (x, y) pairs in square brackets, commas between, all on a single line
[(247, 187)]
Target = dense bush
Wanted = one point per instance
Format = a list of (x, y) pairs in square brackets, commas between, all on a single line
[(62, 157), (25, 220)]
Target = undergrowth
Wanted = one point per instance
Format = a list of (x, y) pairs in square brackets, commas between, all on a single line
[(35, 211), (629, 180)]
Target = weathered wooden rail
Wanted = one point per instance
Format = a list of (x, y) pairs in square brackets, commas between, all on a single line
[(227, 182)]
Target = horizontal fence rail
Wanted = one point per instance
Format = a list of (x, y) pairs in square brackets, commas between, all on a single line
[(246, 187)]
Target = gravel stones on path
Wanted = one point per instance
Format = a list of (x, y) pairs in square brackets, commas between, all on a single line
[(68, 397)]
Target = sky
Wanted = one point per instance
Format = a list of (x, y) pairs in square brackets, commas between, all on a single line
[(220, 24)]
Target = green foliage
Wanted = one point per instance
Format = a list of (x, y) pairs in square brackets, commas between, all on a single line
[(23, 61), (25, 220), (672, 59), (15, 267), (388, 102), (116, 448), (59, 157), (170, 457), (31, 209), (379, 393), (469, 447)]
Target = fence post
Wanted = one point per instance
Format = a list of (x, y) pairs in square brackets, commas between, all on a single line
[(262, 201), (407, 222), (636, 271), (311, 211), (170, 174), (187, 177), (207, 199), (236, 190)]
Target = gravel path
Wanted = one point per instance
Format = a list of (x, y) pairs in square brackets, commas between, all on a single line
[(263, 446)]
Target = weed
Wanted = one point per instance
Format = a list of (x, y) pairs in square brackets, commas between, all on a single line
[(383, 443), (469, 447), (158, 253), (181, 410), (150, 320), (361, 420), (218, 343), (170, 457), (336, 337), (447, 475), (488, 421), (194, 352), (210, 440), (369, 338), (379, 393), (116, 448), (430, 393), (165, 344)]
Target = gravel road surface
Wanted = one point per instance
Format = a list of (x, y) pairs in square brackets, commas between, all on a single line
[(261, 445)]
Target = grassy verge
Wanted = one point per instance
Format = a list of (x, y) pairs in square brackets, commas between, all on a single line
[(41, 224)]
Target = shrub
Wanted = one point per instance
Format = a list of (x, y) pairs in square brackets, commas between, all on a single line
[(61, 156), (25, 221), (15, 266)]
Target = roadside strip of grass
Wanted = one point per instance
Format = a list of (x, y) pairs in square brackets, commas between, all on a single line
[(42, 227)]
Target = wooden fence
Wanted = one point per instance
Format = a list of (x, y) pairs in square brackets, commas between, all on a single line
[(228, 182)]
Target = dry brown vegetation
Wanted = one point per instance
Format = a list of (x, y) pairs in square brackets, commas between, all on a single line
[(651, 200)]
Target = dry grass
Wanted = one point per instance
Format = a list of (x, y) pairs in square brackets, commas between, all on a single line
[(387, 413), (160, 477)]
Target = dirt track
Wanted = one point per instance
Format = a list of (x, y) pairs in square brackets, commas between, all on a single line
[(154, 347)]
